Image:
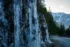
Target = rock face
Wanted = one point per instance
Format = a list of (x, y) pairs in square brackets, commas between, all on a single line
[(21, 25)]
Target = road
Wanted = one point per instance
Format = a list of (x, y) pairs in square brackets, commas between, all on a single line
[(61, 41)]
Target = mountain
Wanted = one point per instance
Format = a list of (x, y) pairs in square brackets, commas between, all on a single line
[(62, 18)]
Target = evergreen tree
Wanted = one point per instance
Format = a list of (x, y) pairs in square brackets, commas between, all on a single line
[(52, 27), (62, 30), (68, 32)]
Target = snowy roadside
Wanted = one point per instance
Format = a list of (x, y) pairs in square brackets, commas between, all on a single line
[(60, 41)]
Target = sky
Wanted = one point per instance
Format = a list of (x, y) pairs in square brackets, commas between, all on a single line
[(58, 5)]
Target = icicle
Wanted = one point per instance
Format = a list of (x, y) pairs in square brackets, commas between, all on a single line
[(30, 23), (33, 8), (46, 29), (17, 22), (36, 25)]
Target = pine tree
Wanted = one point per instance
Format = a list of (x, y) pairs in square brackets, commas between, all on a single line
[(68, 32)]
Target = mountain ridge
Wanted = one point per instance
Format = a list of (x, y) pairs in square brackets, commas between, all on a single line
[(62, 18)]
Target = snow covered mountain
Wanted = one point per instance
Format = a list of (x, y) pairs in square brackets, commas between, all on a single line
[(62, 18)]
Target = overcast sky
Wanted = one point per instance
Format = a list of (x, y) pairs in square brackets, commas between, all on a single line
[(58, 5)]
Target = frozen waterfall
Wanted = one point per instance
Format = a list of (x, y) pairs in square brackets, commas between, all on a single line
[(23, 17)]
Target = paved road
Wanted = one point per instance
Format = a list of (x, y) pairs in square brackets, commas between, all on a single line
[(62, 41)]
